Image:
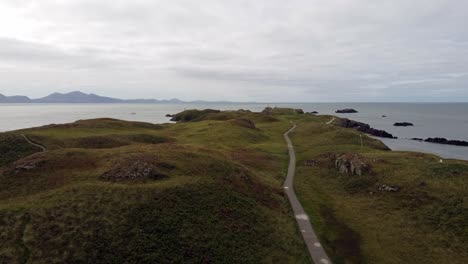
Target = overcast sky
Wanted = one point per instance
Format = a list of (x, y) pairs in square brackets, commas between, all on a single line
[(262, 50)]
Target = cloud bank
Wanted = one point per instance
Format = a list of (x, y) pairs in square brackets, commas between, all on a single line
[(265, 50)]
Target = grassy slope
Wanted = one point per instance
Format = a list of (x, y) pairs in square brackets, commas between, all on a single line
[(221, 201), (13, 147), (426, 222)]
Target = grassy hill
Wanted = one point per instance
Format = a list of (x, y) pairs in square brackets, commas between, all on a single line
[(208, 190), (111, 191)]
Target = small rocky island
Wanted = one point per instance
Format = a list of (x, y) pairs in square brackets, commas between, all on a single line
[(403, 124), (346, 111)]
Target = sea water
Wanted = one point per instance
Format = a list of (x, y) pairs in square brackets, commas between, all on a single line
[(448, 120)]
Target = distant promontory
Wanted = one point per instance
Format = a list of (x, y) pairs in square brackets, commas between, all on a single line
[(80, 97)]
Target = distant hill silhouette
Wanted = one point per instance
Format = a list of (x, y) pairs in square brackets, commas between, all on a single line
[(80, 97)]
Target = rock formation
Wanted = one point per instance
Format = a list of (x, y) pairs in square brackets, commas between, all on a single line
[(352, 164), (388, 188), (447, 141), (362, 127), (404, 124)]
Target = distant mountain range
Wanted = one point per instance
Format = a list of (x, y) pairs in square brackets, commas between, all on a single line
[(80, 97)]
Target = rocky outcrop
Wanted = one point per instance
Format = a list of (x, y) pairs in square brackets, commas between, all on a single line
[(28, 165), (352, 164), (346, 111), (362, 127), (299, 111), (136, 168), (403, 124), (268, 110), (445, 141), (310, 163), (169, 115)]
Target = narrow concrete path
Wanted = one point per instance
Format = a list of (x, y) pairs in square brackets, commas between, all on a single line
[(329, 122), (314, 247), (43, 148)]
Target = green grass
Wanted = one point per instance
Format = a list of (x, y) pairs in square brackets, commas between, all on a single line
[(426, 221), (220, 200)]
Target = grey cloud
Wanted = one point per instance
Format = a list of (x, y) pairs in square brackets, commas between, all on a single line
[(360, 50)]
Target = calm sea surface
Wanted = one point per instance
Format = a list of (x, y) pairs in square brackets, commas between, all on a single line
[(449, 120)]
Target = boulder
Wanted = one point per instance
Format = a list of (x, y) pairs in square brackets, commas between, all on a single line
[(299, 111), (352, 164), (388, 188), (346, 111)]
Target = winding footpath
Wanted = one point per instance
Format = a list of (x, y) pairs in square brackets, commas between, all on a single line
[(314, 247), (43, 148), (329, 122)]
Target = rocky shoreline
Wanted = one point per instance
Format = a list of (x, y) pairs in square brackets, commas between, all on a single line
[(363, 127), (443, 141)]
